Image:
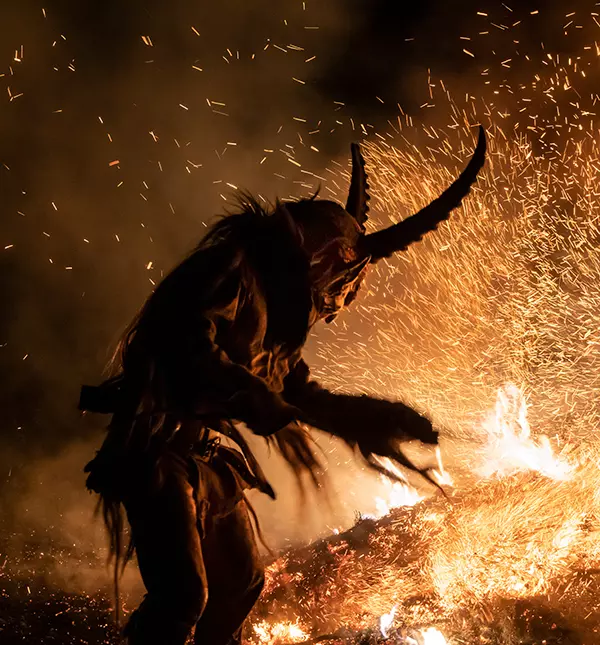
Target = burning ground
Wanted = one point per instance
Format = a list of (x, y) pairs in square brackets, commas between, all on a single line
[(511, 558)]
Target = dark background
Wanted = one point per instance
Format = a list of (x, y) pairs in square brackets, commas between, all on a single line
[(89, 91)]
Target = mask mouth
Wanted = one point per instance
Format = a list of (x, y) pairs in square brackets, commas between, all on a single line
[(340, 290), (348, 275)]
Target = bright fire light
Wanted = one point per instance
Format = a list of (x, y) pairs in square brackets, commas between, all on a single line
[(511, 448), (386, 621), (279, 632), (507, 292), (397, 495), (432, 636)]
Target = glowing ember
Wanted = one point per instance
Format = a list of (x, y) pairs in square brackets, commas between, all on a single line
[(281, 632), (511, 448), (517, 537), (429, 636)]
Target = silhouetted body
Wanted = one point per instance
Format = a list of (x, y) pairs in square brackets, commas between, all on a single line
[(220, 340)]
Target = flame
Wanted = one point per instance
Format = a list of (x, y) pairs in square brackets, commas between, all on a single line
[(525, 532), (398, 495), (429, 636), (280, 632), (511, 448), (386, 621), (432, 636), (442, 477)]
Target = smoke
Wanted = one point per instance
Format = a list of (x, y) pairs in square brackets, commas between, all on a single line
[(124, 130)]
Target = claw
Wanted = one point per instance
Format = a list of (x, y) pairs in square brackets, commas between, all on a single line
[(401, 459)]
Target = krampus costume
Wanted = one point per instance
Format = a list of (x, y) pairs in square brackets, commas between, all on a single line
[(220, 340)]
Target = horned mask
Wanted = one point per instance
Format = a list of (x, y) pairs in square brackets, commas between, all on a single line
[(336, 240)]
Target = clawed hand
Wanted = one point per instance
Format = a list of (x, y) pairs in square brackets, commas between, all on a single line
[(298, 449)]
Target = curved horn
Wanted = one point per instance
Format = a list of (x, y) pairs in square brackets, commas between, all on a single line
[(412, 229), (358, 195)]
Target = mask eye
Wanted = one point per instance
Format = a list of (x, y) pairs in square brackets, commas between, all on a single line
[(347, 253)]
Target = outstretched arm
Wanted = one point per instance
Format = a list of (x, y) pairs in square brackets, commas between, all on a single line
[(375, 426)]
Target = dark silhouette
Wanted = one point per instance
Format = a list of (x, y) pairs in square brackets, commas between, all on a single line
[(221, 339)]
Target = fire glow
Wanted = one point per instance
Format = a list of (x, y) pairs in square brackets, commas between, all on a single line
[(510, 447), (490, 324), (492, 331), (268, 633), (517, 533)]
